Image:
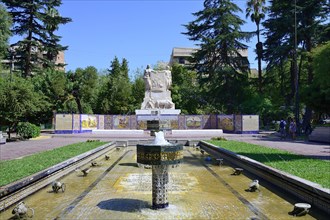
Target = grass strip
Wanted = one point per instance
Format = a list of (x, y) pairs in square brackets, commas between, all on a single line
[(314, 170), (12, 170)]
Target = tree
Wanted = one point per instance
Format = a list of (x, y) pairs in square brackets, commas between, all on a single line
[(294, 42), (82, 85), (51, 43), (185, 90), (219, 62), (124, 68), (317, 95), (313, 15), (53, 84), (115, 96), (115, 68), (5, 24), (36, 21), (138, 89), (120, 96), (256, 10), (19, 102), (279, 43)]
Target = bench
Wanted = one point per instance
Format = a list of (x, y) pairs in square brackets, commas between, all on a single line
[(3, 137)]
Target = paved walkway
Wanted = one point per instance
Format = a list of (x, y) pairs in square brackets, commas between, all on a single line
[(20, 149)]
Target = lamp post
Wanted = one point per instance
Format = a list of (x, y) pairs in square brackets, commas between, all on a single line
[(296, 72)]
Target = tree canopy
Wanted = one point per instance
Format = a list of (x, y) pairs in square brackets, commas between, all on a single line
[(219, 61), (5, 33), (36, 21), (19, 101), (217, 80)]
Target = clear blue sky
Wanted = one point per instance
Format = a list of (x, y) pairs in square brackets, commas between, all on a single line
[(142, 31)]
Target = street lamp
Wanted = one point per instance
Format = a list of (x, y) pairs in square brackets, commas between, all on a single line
[(296, 73)]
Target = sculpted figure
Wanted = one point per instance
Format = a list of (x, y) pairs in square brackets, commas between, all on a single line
[(147, 79), (164, 104), (168, 79)]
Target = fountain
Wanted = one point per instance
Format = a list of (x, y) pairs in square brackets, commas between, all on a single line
[(56, 186), (300, 209), (121, 190), (160, 154), (22, 211)]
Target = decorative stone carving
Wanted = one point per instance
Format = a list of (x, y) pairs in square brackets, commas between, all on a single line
[(157, 89)]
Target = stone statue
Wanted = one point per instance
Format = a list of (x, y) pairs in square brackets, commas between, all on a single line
[(147, 79), (157, 89)]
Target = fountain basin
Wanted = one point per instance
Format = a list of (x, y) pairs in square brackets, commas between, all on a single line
[(121, 190)]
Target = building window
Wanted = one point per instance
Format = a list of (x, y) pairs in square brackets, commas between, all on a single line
[(181, 60)]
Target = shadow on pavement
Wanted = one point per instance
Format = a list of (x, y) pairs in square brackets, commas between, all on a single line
[(123, 205)]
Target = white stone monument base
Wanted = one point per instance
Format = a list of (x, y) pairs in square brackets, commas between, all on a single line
[(158, 112), (181, 134)]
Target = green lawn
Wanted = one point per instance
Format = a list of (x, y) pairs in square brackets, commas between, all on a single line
[(314, 170), (12, 170)]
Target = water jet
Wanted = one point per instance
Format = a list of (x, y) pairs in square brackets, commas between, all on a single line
[(300, 209), (22, 211), (56, 186)]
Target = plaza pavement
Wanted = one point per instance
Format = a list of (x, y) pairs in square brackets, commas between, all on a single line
[(15, 150)]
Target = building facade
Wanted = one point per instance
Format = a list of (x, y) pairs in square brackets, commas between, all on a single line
[(181, 55)]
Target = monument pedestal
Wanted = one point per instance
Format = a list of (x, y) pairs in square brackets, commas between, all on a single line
[(163, 116), (157, 112)]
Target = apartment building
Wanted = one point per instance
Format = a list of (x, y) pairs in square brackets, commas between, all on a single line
[(12, 61), (181, 54)]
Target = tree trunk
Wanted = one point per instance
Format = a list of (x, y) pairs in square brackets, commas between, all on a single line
[(9, 131), (308, 113), (28, 65), (79, 105), (307, 119), (292, 80), (259, 54)]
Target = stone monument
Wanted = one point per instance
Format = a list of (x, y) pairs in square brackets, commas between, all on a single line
[(157, 104), (157, 94)]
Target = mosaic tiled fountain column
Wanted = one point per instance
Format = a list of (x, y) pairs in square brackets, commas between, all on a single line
[(160, 157)]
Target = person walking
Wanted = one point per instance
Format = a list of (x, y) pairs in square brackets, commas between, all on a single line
[(292, 129), (282, 128)]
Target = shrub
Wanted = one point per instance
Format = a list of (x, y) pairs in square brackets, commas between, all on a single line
[(27, 130)]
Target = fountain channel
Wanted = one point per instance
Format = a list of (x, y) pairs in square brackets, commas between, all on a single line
[(117, 187)]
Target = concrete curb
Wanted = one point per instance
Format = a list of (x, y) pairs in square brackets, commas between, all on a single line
[(303, 189)]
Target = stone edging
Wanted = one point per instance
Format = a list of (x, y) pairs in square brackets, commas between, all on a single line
[(303, 189), (14, 192)]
